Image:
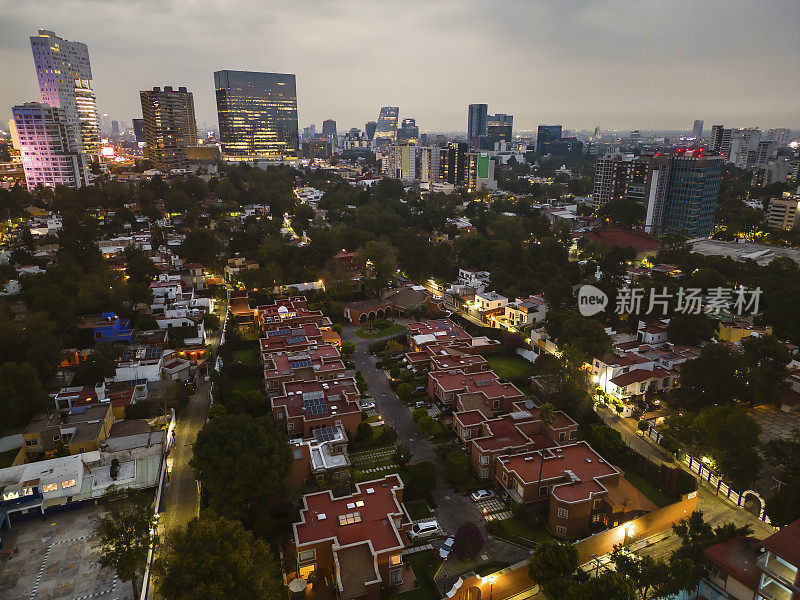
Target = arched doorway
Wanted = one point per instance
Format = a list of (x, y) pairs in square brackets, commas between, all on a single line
[(473, 593), (753, 502), (379, 313), (371, 316), (362, 318)]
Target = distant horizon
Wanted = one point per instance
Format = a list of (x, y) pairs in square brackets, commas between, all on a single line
[(588, 64)]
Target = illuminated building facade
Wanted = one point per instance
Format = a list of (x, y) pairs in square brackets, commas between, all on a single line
[(683, 195), (386, 128), (408, 132), (65, 82), (621, 177), (169, 126), (257, 115), (50, 154)]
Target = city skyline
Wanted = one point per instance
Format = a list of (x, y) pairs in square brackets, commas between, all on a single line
[(584, 55)]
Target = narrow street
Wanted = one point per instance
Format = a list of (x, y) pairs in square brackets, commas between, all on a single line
[(631, 436), (453, 508)]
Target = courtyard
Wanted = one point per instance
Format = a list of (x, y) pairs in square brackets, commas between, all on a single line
[(55, 558)]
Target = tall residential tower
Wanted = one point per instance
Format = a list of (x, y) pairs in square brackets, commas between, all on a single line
[(169, 125), (65, 82)]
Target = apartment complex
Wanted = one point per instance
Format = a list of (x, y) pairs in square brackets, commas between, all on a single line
[(621, 177), (169, 124), (782, 212)]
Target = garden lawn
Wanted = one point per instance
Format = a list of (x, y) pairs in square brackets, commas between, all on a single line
[(366, 332), (659, 497), (510, 366), (418, 510), (517, 530), (248, 384), (247, 356)]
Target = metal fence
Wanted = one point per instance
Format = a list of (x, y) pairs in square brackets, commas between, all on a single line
[(702, 473)]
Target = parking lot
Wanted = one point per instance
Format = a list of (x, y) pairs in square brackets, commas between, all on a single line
[(56, 559)]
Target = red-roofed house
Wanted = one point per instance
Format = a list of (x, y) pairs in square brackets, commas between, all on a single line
[(439, 330), (454, 388), (289, 312), (317, 364), (309, 405), (291, 339), (585, 493), (321, 459), (355, 542), (732, 569)]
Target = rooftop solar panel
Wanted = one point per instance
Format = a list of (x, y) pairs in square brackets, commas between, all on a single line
[(296, 340), (298, 364), (278, 332), (326, 434)]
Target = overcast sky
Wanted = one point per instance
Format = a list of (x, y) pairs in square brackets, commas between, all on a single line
[(616, 64)]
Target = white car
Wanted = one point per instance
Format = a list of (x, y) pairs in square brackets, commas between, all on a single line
[(445, 549), (482, 495), (367, 404), (424, 529)]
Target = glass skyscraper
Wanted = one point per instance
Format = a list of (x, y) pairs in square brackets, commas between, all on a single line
[(387, 124), (546, 135), (476, 121), (257, 115)]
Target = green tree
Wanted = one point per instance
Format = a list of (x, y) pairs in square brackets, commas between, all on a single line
[(401, 456), (456, 466), (622, 213), (690, 329), (608, 442), (216, 559), (348, 348), (200, 245), (241, 462), (420, 480), (138, 266), (650, 577), (552, 566), (730, 436), (782, 506), (364, 432), (126, 533), (22, 395), (715, 377), (767, 360), (404, 392)]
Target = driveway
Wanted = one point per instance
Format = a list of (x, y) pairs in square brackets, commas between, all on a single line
[(453, 508)]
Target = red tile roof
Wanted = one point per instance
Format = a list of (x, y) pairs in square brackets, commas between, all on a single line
[(738, 558), (320, 516), (786, 543), (623, 237)]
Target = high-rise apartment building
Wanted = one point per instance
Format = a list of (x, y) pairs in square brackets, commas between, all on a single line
[(49, 152), (328, 127), (744, 147), (400, 162), (65, 81), (386, 128), (138, 131), (621, 177), (780, 135), (257, 115), (683, 194), (476, 121), (169, 125), (432, 164), (546, 134), (369, 129), (408, 133), (479, 172), (697, 129), (783, 211)]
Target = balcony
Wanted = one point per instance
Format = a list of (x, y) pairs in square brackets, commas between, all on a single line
[(777, 569), (772, 590)]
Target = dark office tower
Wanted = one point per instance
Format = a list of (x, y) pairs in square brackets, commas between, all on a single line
[(138, 130), (476, 122), (697, 129), (621, 177), (328, 127), (408, 132), (720, 140), (547, 134), (684, 190), (169, 126), (387, 124), (423, 139), (369, 129), (257, 115), (114, 127)]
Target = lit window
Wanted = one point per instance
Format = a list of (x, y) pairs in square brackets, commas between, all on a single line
[(306, 555), (306, 570), (50, 487), (395, 560), (359, 503), (10, 495), (68, 483)]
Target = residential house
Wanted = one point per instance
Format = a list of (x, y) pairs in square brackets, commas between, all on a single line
[(321, 459), (523, 312), (735, 331), (459, 390), (732, 571), (585, 493), (81, 429), (779, 565), (309, 405), (317, 364), (355, 542), (108, 327)]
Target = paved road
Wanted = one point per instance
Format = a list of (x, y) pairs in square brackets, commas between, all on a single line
[(453, 508), (630, 434)]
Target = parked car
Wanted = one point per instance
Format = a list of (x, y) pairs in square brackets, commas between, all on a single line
[(482, 495), (444, 550), (367, 404), (420, 404), (419, 389), (424, 529)]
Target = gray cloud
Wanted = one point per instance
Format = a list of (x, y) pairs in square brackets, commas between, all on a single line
[(617, 64)]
